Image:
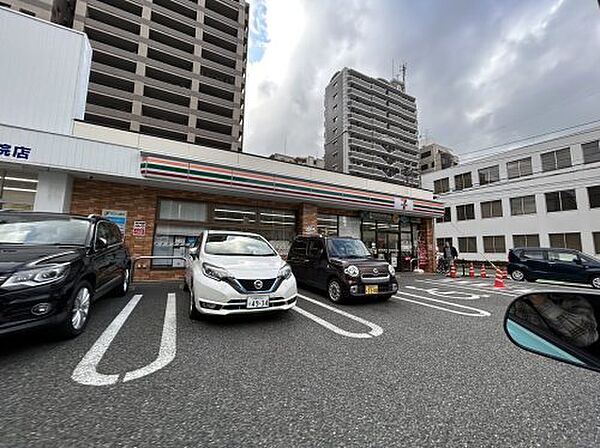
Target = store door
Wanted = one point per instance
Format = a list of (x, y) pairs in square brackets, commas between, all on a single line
[(387, 243), (408, 245)]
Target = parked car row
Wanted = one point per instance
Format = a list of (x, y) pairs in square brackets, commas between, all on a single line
[(54, 266)]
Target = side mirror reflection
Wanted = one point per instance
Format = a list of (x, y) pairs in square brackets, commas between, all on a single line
[(558, 325)]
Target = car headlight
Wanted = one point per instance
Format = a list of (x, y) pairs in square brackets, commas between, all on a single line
[(215, 272), (351, 271), (285, 271), (391, 270), (37, 277)]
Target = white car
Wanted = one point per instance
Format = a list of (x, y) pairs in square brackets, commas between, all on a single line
[(236, 273)]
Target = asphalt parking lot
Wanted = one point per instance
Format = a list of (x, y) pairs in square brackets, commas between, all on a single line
[(430, 367)]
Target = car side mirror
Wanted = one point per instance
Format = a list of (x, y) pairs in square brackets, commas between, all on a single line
[(101, 243), (577, 261), (193, 252), (558, 325)]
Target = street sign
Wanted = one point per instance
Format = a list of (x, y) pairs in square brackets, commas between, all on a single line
[(139, 228)]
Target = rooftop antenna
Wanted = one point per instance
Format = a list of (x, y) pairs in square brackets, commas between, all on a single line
[(399, 77)]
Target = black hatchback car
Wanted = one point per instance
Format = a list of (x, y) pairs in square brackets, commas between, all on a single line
[(342, 266), (53, 266), (567, 265)]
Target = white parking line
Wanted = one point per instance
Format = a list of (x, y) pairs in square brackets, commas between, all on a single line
[(472, 288), (168, 344), (457, 295), (476, 312), (86, 372), (375, 330)]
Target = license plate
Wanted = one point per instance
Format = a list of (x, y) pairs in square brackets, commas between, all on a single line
[(371, 289), (257, 302)]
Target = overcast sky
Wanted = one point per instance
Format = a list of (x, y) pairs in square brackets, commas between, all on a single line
[(484, 72)]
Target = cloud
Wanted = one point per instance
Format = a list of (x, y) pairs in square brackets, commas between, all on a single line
[(483, 72)]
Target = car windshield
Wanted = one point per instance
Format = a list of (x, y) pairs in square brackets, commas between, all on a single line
[(347, 248), (35, 232), (241, 245)]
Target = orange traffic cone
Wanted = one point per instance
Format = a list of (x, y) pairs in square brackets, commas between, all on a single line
[(504, 274), (499, 280), (471, 271), (453, 270), (483, 273)]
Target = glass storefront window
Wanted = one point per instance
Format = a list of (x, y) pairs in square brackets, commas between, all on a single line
[(278, 227), (327, 225), (175, 238), (233, 214), (349, 226), (17, 190)]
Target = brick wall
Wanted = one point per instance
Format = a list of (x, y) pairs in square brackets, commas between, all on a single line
[(307, 219), (426, 229), (140, 202)]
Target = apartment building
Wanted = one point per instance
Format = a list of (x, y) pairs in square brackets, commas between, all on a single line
[(316, 162), (435, 157), (168, 68), (545, 194), (371, 128)]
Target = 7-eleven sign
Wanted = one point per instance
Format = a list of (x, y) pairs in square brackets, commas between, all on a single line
[(403, 204)]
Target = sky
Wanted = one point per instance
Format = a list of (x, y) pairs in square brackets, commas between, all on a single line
[(484, 72)]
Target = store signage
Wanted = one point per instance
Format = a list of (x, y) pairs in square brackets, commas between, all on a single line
[(14, 152), (379, 217), (119, 217), (277, 185), (139, 228), (404, 204)]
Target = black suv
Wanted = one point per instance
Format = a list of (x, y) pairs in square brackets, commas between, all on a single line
[(342, 266), (567, 265), (52, 267)]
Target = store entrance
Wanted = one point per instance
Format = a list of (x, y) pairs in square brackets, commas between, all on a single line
[(394, 242)]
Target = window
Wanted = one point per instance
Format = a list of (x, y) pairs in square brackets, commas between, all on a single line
[(425, 154), (523, 205), (447, 216), (327, 225), (531, 240), (519, 168), (467, 244), (559, 201), (594, 196), (441, 185), (29, 13), (596, 242), (315, 248), (566, 240), (237, 245), (17, 189), (533, 255), (462, 181), (298, 249), (562, 257), (591, 152), (170, 209), (465, 212), (424, 167), (441, 243), (491, 209), (555, 160), (494, 244), (489, 175), (234, 214)]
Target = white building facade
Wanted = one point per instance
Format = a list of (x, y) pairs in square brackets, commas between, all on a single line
[(545, 194)]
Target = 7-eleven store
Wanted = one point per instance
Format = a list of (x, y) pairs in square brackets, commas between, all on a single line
[(163, 193)]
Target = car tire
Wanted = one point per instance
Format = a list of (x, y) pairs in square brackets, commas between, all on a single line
[(595, 281), (78, 311), (123, 287), (518, 275), (335, 292), (192, 310)]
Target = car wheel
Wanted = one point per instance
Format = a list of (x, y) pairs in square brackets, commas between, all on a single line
[(517, 275), (123, 287), (596, 282), (78, 311), (335, 291), (192, 310)]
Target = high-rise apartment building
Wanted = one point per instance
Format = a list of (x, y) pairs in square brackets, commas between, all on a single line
[(168, 68), (436, 157), (371, 128)]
